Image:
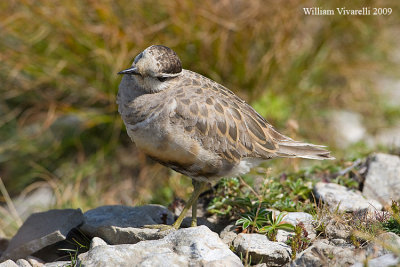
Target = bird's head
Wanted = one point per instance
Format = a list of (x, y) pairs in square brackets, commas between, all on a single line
[(154, 67)]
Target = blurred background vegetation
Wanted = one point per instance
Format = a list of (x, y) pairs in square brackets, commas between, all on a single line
[(59, 124)]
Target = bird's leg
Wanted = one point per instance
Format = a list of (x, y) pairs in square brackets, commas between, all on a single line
[(194, 205), (192, 202)]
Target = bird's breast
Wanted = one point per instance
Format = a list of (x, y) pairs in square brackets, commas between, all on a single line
[(163, 146)]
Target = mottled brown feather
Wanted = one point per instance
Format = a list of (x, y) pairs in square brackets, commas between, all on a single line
[(225, 123)]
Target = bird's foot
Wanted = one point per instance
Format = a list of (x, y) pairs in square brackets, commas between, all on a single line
[(161, 227)]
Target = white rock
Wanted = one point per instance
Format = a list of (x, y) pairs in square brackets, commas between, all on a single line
[(228, 234), (283, 236), (383, 178), (261, 250), (389, 137), (23, 263), (58, 264), (196, 246), (41, 230), (296, 217), (306, 218), (97, 241), (322, 254), (390, 87), (337, 195), (8, 263), (122, 224), (382, 261), (35, 262), (36, 201), (383, 244), (348, 128)]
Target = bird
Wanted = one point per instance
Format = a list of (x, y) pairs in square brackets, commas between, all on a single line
[(197, 126)]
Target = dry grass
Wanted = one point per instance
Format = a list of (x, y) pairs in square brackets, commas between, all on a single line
[(59, 62)]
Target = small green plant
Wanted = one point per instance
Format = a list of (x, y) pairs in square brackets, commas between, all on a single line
[(354, 240), (77, 243), (275, 223), (393, 223), (299, 241), (256, 220), (227, 195)]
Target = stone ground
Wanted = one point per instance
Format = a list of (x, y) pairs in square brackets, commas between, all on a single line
[(116, 236)]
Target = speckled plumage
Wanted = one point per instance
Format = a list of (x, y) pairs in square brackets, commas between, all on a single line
[(195, 125)]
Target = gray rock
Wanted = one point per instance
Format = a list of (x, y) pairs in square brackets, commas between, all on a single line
[(322, 254), (383, 244), (97, 241), (347, 127), (337, 195), (23, 263), (261, 250), (383, 178), (334, 230), (390, 87), (228, 234), (339, 242), (41, 230), (59, 264), (283, 236), (121, 224), (306, 218), (200, 221), (3, 244), (35, 262), (196, 246), (382, 261), (36, 201), (296, 217), (389, 137), (8, 263)]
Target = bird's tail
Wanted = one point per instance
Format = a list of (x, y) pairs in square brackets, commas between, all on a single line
[(294, 149)]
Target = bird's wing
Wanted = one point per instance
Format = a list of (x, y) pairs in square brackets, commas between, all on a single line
[(222, 122)]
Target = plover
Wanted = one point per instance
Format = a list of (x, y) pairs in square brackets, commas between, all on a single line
[(196, 126)]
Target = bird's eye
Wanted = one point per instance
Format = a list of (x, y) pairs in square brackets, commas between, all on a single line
[(162, 79)]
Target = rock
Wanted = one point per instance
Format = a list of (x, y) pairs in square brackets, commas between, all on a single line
[(97, 241), (337, 195), (23, 263), (390, 87), (35, 262), (347, 127), (261, 250), (36, 201), (41, 230), (306, 218), (195, 246), (120, 224), (383, 244), (334, 230), (8, 263), (389, 137), (339, 242), (382, 179), (296, 217), (200, 221), (322, 254), (228, 234), (59, 264), (3, 244), (283, 236), (382, 261)]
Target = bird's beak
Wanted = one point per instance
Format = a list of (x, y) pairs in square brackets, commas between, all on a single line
[(131, 70)]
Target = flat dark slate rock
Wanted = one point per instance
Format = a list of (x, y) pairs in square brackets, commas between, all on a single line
[(40, 230), (123, 225)]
